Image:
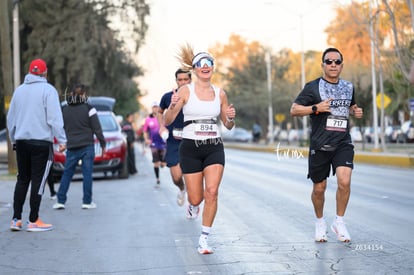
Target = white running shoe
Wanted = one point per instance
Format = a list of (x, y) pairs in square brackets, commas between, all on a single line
[(157, 185), (181, 197), (192, 211), (341, 232), (58, 206), (320, 232), (203, 247), (92, 205)]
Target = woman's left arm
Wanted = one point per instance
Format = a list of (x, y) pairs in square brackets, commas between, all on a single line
[(227, 112)]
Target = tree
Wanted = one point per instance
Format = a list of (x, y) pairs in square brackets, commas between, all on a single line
[(234, 54), (243, 74), (75, 39), (399, 23), (393, 39)]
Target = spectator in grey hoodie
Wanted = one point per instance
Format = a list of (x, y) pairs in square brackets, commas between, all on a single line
[(33, 119)]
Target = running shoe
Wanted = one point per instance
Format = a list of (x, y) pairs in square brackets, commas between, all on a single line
[(53, 197), (341, 232), (203, 247), (58, 206), (16, 225), (38, 226), (192, 211), (181, 197), (320, 232), (91, 205)]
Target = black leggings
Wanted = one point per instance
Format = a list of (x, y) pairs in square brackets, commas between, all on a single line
[(32, 157)]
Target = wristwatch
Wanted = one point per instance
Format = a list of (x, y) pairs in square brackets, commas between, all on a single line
[(315, 109)]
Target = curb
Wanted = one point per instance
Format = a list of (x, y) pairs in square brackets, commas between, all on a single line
[(385, 159), (390, 159)]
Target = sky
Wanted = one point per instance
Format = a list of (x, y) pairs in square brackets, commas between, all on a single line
[(295, 24)]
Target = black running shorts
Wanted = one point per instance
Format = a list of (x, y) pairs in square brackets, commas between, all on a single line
[(195, 155), (158, 155), (320, 162)]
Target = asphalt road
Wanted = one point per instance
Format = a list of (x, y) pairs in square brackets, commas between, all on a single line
[(264, 225)]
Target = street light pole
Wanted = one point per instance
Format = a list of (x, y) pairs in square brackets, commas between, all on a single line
[(269, 89), (374, 80), (11, 156), (16, 44), (302, 67)]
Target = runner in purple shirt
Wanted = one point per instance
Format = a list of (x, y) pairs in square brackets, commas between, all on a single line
[(155, 141)]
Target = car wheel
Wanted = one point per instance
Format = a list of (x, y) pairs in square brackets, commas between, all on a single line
[(401, 138), (123, 173)]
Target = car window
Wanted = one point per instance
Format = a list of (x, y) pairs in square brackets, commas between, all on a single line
[(108, 122)]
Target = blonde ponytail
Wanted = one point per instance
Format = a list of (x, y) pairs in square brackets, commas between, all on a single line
[(185, 56)]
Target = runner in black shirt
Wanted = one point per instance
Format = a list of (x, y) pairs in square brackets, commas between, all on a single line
[(329, 101)]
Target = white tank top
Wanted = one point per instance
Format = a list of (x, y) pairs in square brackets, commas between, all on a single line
[(201, 113)]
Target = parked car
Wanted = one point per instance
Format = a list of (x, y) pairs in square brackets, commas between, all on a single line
[(3, 146), (237, 134), (369, 134), (390, 133), (405, 133), (296, 135), (355, 133), (281, 135), (114, 160)]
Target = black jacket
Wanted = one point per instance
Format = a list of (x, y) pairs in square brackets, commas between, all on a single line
[(81, 122)]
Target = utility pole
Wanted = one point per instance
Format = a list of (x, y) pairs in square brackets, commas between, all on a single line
[(16, 77), (374, 80), (16, 44), (269, 89), (303, 77)]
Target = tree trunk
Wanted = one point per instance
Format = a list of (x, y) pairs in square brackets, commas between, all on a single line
[(6, 70)]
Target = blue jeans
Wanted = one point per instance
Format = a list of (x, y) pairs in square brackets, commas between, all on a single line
[(86, 155)]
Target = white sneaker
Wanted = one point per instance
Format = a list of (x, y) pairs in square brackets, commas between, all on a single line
[(320, 232), (158, 184), (92, 205), (53, 197), (58, 206), (192, 211), (341, 232), (181, 197), (203, 247)]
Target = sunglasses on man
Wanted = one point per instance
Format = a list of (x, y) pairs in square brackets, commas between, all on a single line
[(330, 61)]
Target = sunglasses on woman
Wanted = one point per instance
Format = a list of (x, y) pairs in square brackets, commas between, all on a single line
[(204, 61)]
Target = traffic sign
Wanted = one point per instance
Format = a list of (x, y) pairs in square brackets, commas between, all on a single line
[(387, 101), (280, 117)]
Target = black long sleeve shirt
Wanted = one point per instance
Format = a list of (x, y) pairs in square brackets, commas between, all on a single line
[(81, 122)]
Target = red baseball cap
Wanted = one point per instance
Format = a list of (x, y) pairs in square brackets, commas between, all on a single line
[(38, 67)]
